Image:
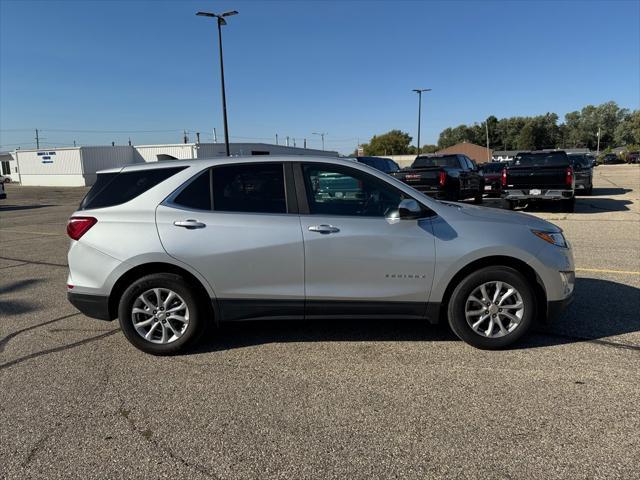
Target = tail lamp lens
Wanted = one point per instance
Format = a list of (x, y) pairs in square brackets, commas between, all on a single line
[(504, 177), (569, 177), (78, 226), (442, 178)]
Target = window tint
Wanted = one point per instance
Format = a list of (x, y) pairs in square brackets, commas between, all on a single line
[(446, 161), (116, 188), (197, 194), (333, 190), (392, 166), (558, 159), (252, 188)]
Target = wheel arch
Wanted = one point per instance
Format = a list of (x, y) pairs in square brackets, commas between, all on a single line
[(497, 261), (144, 269)]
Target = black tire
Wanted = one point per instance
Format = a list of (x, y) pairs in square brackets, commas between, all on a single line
[(569, 206), (589, 190), (456, 307), (197, 312), (478, 198), (508, 204)]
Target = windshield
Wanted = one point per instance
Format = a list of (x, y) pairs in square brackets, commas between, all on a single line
[(544, 159), (447, 161)]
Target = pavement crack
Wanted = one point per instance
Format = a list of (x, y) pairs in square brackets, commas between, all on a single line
[(35, 262), (5, 340), (147, 434), (58, 349)]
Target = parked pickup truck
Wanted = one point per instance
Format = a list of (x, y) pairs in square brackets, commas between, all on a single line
[(447, 177), (537, 176)]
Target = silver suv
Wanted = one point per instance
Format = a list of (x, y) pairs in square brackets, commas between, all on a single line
[(170, 248)]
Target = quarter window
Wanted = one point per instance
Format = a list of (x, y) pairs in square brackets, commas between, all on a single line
[(249, 188), (333, 190)]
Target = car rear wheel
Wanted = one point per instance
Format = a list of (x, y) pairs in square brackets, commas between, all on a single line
[(160, 315), (492, 308), (508, 204)]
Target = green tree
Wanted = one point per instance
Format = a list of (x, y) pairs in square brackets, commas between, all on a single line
[(394, 142)]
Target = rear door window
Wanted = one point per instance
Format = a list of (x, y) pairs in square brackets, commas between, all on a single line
[(249, 188), (116, 188), (197, 194)]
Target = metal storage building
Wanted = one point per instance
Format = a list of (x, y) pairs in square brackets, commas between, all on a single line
[(77, 166)]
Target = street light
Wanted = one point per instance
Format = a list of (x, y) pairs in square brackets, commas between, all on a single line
[(221, 21), (419, 92), (322, 136)]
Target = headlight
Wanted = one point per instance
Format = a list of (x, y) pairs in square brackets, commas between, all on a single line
[(554, 238)]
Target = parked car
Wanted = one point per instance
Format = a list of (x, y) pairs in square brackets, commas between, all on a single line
[(611, 159), (171, 249), (447, 177), (633, 157), (583, 172), (539, 176), (492, 174), (3, 194), (385, 165)]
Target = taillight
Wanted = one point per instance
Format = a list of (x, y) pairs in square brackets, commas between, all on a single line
[(568, 179), (504, 177), (78, 226), (442, 178)]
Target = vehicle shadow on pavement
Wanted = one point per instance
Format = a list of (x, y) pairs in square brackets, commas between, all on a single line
[(12, 306), (601, 309), (9, 208), (597, 191)]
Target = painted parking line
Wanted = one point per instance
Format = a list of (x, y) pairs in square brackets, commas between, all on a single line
[(597, 270), (33, 233)]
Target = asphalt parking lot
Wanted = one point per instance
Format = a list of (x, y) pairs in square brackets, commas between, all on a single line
[(322, 400)]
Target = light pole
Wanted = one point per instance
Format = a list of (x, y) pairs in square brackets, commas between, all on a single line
[(222, 21), (419, 92), (321, 136)]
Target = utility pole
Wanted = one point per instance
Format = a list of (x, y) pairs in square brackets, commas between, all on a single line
[(221, 21), (37, 140), (287, 140), (419, 92), (185, 138), (486, 125), (74, 142), (598, 148), (321, 136), (215, 136), (294, 142), (305, 143), (276, 139), (197, 137)]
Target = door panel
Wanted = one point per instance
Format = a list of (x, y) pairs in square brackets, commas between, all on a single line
[(251, 256), (369, 259)]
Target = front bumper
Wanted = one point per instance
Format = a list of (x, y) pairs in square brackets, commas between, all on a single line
[(525, 194), (94, 306), (556, 307)]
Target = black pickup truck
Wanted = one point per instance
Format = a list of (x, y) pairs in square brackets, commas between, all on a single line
[(447, 177), (538, 176)]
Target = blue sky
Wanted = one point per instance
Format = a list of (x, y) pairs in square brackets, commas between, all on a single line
[(79, 70)]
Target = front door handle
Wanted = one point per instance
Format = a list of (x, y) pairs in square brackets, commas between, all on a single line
[(324, 229), (189, 224)]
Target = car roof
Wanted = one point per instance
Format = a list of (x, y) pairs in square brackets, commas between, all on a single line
[(205, 162)]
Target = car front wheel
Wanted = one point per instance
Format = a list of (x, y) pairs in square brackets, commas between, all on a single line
[(159, 314), (492, 308)]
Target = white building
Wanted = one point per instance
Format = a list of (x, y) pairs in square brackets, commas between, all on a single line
[(77, 166)]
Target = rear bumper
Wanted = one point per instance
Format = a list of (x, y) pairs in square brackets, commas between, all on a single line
[(525, 194), (94, 306)]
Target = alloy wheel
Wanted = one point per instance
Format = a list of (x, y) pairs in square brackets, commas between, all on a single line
[(160, 315), (494, 309)]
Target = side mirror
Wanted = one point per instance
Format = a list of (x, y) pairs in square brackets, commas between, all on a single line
[(409, 209)]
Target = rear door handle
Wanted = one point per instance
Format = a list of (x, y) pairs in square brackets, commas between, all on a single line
[(189, 224), (324, 229)]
